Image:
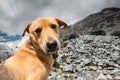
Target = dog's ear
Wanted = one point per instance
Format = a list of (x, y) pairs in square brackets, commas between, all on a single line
[(61, 23), (26, 29)]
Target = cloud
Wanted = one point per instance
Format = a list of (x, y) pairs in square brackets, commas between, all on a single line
[(15, 14), (6, 9)]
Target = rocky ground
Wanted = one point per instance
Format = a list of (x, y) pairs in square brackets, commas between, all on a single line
[(88, 58), (84, 58)]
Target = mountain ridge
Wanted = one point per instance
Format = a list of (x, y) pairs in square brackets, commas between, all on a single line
[(107, 20), (5, 38)]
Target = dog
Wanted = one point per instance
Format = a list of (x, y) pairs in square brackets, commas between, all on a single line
[(33, 61)]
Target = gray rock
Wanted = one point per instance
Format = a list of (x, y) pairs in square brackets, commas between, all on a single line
[(117, 77), (92, 68), (78, 68), (109, 77), (5, 52), (67, 68), (86, 61), (101, 77), (115, 55), (53, 76), (118, 61)]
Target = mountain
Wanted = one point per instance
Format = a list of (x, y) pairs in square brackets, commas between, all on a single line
[(105, 22), (4, 37)]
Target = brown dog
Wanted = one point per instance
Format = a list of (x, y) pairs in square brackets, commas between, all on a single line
[(33, 61)]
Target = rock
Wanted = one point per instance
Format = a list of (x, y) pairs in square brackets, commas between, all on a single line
[(82, 64), (115, 55), (101, 77), (86, 61), (117, 77), (116, 74), (53, 75), (111, 64), (105, 71), (67, 68), (88, 76), (5, 52), (92, 68), (98, 32), (70, 36), (109, 77), (79, 78), (118, 61), (116, 33), (78, 68)]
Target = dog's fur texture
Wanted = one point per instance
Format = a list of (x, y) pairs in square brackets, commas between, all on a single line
[(33, 61)]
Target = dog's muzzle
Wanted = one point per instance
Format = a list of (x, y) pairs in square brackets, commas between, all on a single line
[(52, 46)]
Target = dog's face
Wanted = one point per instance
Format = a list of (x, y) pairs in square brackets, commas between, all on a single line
[(44, 32)]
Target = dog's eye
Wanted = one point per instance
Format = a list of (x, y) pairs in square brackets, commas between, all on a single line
[(53, 26), (38, 30)]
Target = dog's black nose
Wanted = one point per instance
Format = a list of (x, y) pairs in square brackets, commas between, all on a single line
[(52, 46)]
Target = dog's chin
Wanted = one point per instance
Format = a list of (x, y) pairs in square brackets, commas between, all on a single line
[(51, 52)]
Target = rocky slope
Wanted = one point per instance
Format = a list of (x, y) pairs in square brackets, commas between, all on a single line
[(84, 58), (88, 58), (5, 52), (105, 22)]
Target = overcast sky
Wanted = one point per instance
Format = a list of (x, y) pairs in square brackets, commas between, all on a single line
[(15, 14)]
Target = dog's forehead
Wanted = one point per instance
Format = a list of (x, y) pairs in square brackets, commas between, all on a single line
[(44, 21)]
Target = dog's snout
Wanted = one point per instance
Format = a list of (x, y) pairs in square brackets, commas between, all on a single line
[(52, 46)]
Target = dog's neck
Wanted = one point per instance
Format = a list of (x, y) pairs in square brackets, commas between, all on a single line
[(32, 45), (38, 52)]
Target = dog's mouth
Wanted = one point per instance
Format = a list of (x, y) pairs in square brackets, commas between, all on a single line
[(52, 50), (52, 46)]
